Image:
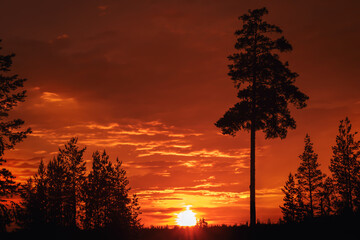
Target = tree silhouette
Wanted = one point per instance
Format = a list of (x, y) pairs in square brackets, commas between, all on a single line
[(60, 195), (265, 87), (327, 197), (201, 223), (125, 209), (57, 182), (35, 200), (309, 176), (72, 157), (95, 192), (345, 167), (107, 203), (289, 209), (301, 208), (10, 132)]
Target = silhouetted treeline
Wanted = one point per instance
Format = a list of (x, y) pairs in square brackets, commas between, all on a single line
[(11, 133), (310, 193), (61, 195), (332, 227)]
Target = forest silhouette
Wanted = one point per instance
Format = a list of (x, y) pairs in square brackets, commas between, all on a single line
[(65, 200)]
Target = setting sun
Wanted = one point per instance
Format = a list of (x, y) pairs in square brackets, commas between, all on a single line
[(186, 218)]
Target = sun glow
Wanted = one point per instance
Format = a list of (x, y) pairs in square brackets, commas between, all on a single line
[(186, 218)]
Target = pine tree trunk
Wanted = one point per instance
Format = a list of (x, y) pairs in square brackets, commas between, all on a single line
[(311, 206), (252, 177), (310, 195), (73, 207), (252, 140)]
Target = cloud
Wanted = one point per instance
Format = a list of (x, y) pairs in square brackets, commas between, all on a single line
[(201, 153), (99, 126), (103, 7), (22, 169), (164, 173), (62, 36), (50, 97), (40, 152), (149, 139)]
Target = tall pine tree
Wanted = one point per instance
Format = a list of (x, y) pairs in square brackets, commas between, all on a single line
[(57, 191), (309, 176), (345, 167), (265, 87), (96, 192), (11, 131), (72, 156)]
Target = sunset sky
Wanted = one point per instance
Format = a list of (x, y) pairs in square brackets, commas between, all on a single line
[(146, 81)]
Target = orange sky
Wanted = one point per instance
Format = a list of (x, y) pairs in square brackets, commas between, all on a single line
[(147, 80)]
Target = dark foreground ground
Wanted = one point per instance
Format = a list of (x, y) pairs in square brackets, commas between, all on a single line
[(338, 228)]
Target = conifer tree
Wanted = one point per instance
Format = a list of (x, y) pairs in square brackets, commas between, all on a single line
[(35, 200), (55, 191), (11, 131), (301, 208), (104, 202), (265, 87), (201, 223), (289, 209), (57, 180), (95, 192), (72, 156), (120, 201), (135, 211), (309, 176), (107, 203), (327, 197), (345, 167)]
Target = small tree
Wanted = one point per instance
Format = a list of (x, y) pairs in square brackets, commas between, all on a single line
[(201, 223), (35, 200), (135, 211), (265, 87), (309, 176), (289, 209), (345, 167), (10, 131)]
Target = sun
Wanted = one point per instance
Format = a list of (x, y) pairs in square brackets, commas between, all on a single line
[(186, 218)]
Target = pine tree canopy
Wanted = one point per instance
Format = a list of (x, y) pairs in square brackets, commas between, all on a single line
[(265, 84), (10, 96), (11, 131), (345, 166), (309, 176), (289, 208)]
